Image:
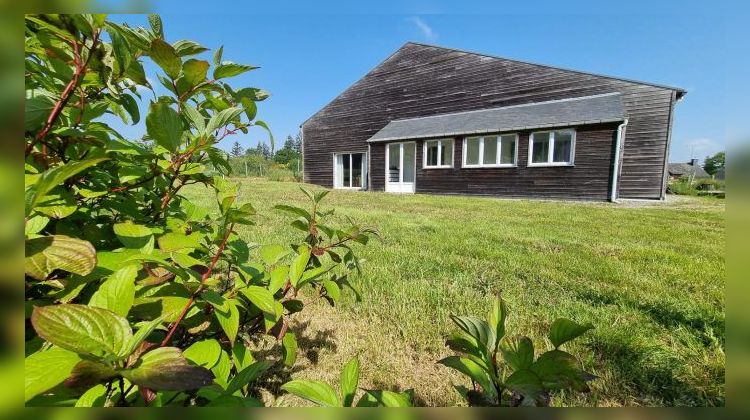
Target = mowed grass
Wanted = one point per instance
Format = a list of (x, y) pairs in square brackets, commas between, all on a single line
[(650, 277)]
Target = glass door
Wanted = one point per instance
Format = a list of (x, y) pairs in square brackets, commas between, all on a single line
[(400, 164), (349, 170)]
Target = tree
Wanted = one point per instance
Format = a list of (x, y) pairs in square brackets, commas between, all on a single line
[(139, 296), (288, 143), (237, 150), (285, 156), (714, 163), (298, 143), (265, 151)]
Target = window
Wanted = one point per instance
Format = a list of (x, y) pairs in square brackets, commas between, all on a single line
[(552, 148), (350, 170), (490, 151), (438, 153)]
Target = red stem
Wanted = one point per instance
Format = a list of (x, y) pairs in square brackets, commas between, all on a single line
[(205, 277)]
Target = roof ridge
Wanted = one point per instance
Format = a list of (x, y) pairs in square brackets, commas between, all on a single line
[(681, 90), (577, 98)]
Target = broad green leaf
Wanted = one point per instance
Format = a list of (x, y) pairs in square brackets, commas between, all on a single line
[(135, 236), (117, 292), (563, 330), (289, 343), (48, 253), (477, 328), (204, 353), (152, 308), (222, 118), (392, 399), (143, 333), (278, 277), (222, 369), (271, 254), (518, 352), (559, 370), (293, 210), (247, 375), (55, 177), (37, 110), (131, 106), (120, 50), (260, 297), (526, 383), (314, 273), (229, 320), (46, 369), (315, 391), (88, 373), (196, 119), (473, 371), (349, 381), (165, 369), (217, 56), (35, 224), (241, 356), (166, 57), (332, 289), (263, 124), (193, 72), (251, 109), (186, 47), (85, 330), (93, 397), (299, 264), (497, 317), (174, 241), (229, 69), (164, 126)]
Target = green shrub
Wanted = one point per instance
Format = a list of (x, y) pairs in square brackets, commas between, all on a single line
[(136, 295), (505, 369)]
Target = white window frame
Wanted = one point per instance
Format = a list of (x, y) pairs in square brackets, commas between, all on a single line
[(440, 164), (497, 163), (364, 170), (551, 150)]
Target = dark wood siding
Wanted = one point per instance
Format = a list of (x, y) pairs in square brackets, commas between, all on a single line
[(421, 80), (589, 179)]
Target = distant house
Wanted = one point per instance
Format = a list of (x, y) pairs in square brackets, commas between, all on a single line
[(430, 119), (689, 169)]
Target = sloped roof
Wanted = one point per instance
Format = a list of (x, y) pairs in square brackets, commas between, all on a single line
[(681, 169), (565, 112)]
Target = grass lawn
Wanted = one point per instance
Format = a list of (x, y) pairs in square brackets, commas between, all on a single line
[(650, 277)]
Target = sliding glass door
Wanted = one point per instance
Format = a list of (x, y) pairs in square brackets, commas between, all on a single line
[(400, 167), (350, 170)]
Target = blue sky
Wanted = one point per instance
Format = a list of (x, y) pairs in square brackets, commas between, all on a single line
[(309, 53)]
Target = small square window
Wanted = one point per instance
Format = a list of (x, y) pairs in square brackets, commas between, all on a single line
[(552, 148), (438, 153)]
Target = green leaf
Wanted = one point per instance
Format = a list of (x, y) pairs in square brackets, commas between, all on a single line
[(332, 289), (204, 353), (229, 69), (271, 254), (166, 57), (315, 391), (174, 241), (143, 333), (293, 210), (473, 371), (88, 373), (120, 50), (217, 56), (497, 319), (263, 124), (55, 177), (289, 343), (559, 370), (299, 264), (93, 397), (222, 118), (229, 320), (59, 252), (389, 398), (314, 273), (44, 370), (563, 330), (222, 369), (518, 352), (193, 72), (260, 297), (156, 26), (117, 292), (165, 369), (242, 356), (38, 108), (526, 383), (88, 331), (251, 109), (186, 47), (349, 381), (195, 117), (130, 105), (135, 236), (478, 329), (278, 278), (164, 126), (247, 375)]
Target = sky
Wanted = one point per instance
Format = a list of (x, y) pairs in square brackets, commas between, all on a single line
[(310, 52)]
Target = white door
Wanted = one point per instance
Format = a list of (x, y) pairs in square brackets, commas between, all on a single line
[(350, 170), (400, 167)]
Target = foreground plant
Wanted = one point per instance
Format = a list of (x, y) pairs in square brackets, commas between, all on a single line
[(324, 395), (135, 295), (505, 370)]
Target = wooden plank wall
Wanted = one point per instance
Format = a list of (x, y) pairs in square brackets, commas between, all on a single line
[(420, 80)]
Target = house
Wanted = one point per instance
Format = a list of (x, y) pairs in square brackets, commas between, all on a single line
[(430, 119), (690, 169)]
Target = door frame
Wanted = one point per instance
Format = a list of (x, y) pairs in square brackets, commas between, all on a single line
[(388, 183), (365, 170)]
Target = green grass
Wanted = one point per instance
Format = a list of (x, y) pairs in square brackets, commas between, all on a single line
[(650, 277)]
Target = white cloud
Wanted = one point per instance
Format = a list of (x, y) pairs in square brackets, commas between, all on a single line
[(426, 29)]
